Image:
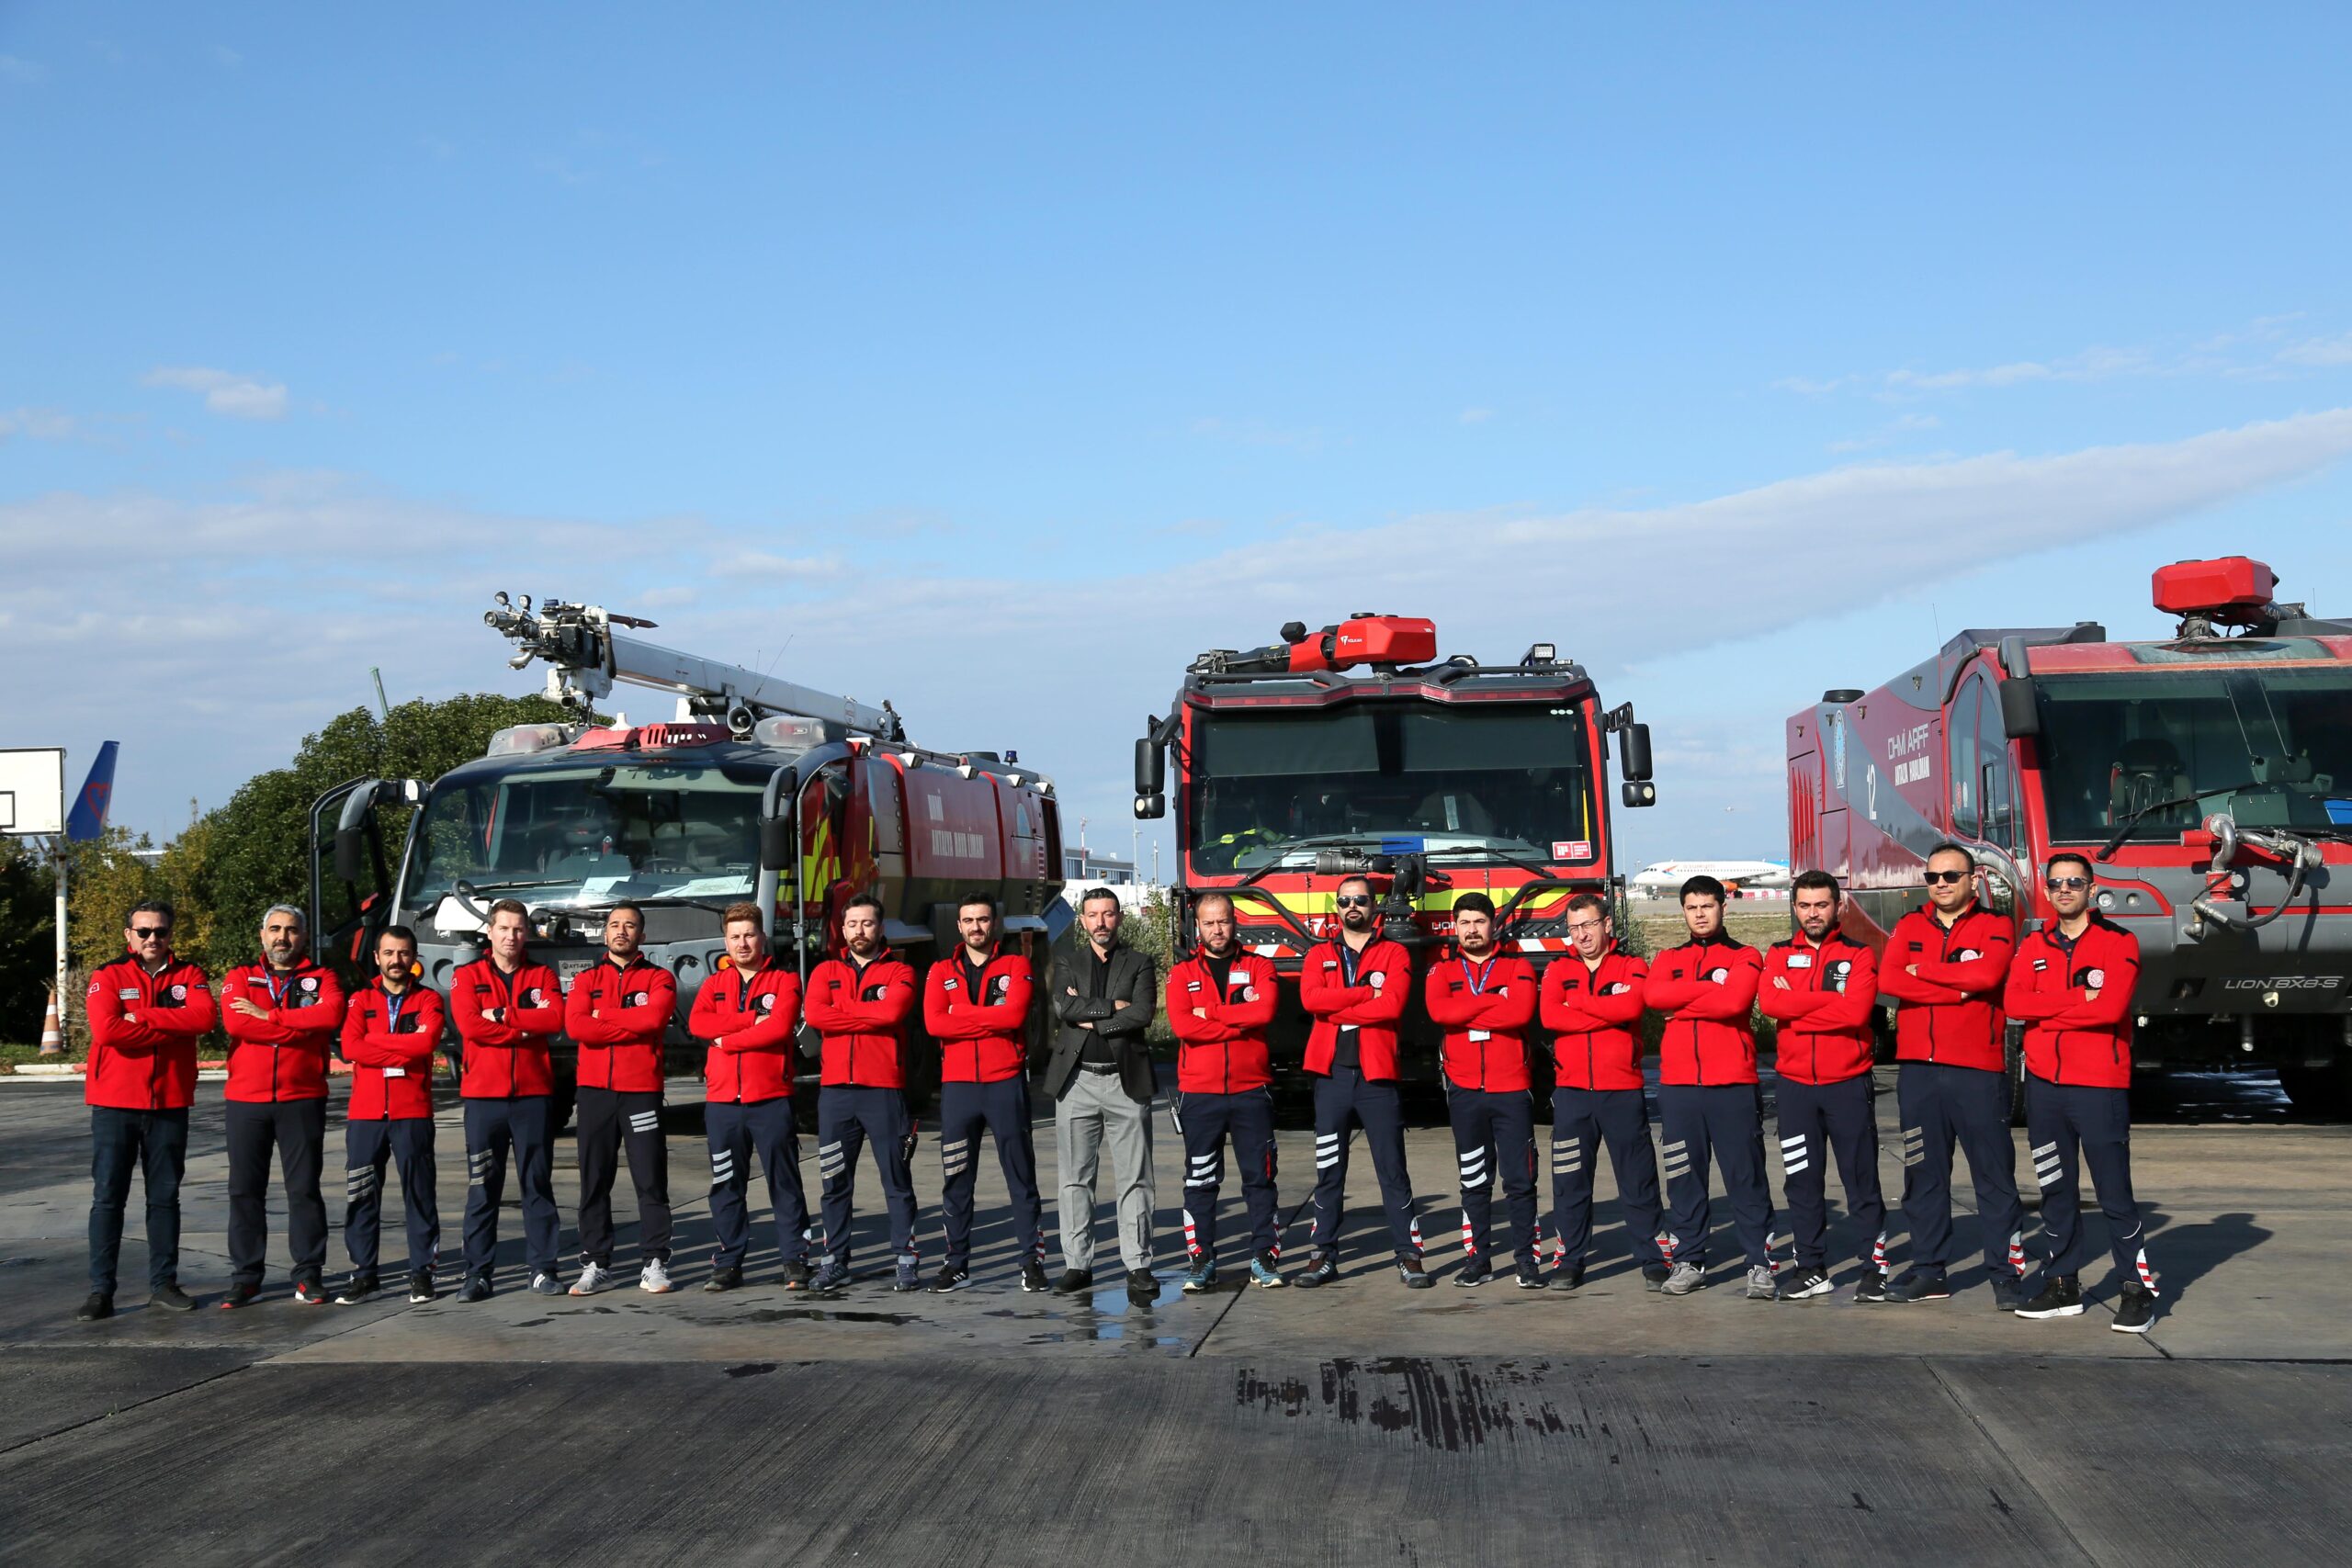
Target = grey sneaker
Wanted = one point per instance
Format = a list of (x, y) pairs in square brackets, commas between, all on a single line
[(1761, 1286), (594, 1276), (1685, 1278)]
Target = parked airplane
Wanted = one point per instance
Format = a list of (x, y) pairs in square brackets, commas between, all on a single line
[(1662, 879)]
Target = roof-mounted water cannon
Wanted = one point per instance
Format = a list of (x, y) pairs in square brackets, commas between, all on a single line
[(2231, 591), (1381, 641)]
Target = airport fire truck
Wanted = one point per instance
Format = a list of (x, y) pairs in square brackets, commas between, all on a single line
[(2208, 775), (755, 790), (1357, 750)]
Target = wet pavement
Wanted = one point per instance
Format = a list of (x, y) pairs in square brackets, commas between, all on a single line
[(1361, 1421)]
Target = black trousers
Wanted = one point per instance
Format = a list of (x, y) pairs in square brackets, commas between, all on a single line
[(849, 1116), (1003, 1109), (1206, 1121), (155, 1142), (608, 1119), (1817, 1122), (493, 1128), (1724, 1122), (738, 1131), (297, 1130), (1343, 1097), (1500, 1127), (1942, 1106), (2071, 1126), (367, 1148), (1582, 1120)]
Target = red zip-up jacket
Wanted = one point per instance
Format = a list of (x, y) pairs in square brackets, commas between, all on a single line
[(982, 1040), (284, 1055), (1485, 1010), (1824, 1015), (861, 1018), (2072, 1038), (390, 1043), (144, 1029), (1951, 1008), (1225, 1052), (749, 1017), (506, 1057), (1372, 1010), (1705, 989), (622, 1049), (1592, 1015)]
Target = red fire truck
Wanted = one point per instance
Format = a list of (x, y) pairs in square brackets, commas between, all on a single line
[(1357, 750), (2209, 776)]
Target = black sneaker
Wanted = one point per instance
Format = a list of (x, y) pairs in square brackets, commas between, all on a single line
[(1919, 1285), (1804, 1282), (1416, 1277), (2061, 1296), (2135, 1312), (1032, 1278), (1656, 1275), (420, 1285), (476, 1288), (99, 1306), (1872, 1287), (1142, 1286), (356, 1289), (1530, 1275), (171, 1298), (1473, 1274), (1074, 1281), (952, 1277), (723, 1279), (309, 1293), (239, 1295), (795, 1276), (1320, 1270), (2008, 1293), (1567, 1277)]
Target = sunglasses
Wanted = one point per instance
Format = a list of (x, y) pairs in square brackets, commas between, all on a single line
[(149, 933), (1948, 876), (2066, 884), (1354, 900)]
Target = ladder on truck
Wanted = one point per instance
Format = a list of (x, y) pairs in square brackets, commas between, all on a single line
[(585, 654)]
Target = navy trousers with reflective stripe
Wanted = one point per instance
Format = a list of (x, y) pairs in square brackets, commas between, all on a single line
[(1206, 1121), (1726, 1120), (1002, 1109), (367, 1148), (848, 1115), (493, 1129), (1342, 1098), (2069, 1127), (1582, 1120), (1941, 1105), (1495, 1134), (608, 1119), (737, 1131), (1818, 1121)]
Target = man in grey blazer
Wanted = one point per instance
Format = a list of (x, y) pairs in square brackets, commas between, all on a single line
[(1100, 1076)]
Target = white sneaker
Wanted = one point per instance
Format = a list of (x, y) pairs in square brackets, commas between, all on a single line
[(655, 1279), (594, 1276), (1685, 1278)]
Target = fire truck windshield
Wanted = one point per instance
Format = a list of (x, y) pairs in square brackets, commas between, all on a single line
[(590, 835), (2178, 740), (1511, 778)]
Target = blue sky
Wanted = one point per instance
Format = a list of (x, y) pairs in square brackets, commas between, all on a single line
[(996, 362)]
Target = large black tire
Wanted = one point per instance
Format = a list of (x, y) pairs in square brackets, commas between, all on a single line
[(2323, 1092)]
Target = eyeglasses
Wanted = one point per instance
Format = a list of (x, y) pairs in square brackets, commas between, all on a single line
[(1354, 900), (150, 933), (1948, 876), (2066, 884), (1584, 928)]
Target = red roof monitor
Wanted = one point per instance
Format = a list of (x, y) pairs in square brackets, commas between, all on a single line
[(2233, 588)]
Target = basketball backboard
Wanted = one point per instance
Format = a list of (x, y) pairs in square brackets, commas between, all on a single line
[(32, 791)]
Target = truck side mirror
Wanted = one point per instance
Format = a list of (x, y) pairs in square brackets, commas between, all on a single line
[(1151, 768), (2020, 714), (1149, 807), (350, 855), (775, 844), (1635, 749)]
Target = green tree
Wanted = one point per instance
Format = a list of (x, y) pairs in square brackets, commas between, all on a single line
[(28, 939)]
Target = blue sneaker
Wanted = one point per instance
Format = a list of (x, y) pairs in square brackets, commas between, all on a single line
[(831, 1275), (909, 1277), (1264, 1275), (1201, 1276)]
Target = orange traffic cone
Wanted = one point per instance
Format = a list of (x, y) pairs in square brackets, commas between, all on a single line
[(52, 1041)]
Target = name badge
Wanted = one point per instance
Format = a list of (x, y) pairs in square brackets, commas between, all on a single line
[(1477, 1034), (396, 1072), (1800, 960)]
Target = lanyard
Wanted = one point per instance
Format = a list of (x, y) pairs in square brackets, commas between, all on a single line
[(1476, 978), (269, 979), (392, 1011)]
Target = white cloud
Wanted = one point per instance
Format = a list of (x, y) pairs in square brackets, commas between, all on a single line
[(769, 566), (26, 72), (38, 424), (2319, 351), (226, 58), (1475, 416), (229, 395)]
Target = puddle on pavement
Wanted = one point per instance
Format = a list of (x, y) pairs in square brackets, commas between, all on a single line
[(807, 1314), (1107, 1317)]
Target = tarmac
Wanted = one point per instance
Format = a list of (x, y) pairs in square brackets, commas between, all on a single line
[(1358, 1424)]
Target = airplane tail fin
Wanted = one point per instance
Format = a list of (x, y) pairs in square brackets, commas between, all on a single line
[(88, 818)]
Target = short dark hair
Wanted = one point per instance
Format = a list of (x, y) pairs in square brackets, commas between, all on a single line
[(2089, 871), (1205, 899), (977, 896), (1354, 876), (402, 932), (745, 912), (1816, 882), (1707, 887), (868, 901), (509, 906), (630, 906), (1949, 848), (1592, 901), (1091, 894), (151, 907), (1476, 903)]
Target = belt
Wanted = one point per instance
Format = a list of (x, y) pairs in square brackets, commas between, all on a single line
[(1098, 1066)]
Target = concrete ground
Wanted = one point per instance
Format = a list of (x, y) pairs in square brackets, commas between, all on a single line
[(1358, 1424)]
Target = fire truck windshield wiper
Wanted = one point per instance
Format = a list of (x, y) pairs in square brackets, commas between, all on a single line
[(2124, 829)]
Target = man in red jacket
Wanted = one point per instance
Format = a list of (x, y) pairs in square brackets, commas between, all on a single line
[(1220, 1001), (507, 1008), (282, 1016), (618, 1015), (1484, 999), (2073, 982), (975, 1004), (389, 1033), (1946, 964), (1591, 1002), (859, 1003), (1707, 1093), (1355, 986), (1821, 986), (749, 1011), (147, 1009)]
